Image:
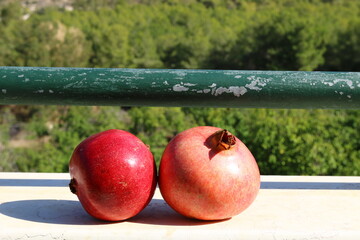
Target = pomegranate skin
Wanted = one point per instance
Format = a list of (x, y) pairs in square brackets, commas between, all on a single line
[(200, 181), (113, 174)]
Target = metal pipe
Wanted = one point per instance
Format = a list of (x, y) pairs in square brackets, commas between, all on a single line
[(169, 87)]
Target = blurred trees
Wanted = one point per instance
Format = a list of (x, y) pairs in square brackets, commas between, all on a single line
[(231, 34), (311, 142), (241, 34)]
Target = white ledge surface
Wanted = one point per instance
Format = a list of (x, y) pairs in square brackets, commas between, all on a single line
[(40, 206)]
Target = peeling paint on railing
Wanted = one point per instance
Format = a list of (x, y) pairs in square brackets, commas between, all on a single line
[(161, 87)]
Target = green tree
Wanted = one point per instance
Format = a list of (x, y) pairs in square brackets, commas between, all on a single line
[(11, 12), (293, 38), (156, 126), (94, 4), (344, 53)]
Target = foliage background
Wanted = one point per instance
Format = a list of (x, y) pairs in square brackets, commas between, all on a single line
[(212, 34)]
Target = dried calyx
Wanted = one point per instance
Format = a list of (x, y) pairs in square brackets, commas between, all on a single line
[(223, 140), (72, 185)]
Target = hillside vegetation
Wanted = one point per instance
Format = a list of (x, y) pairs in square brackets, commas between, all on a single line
[(211, 34)]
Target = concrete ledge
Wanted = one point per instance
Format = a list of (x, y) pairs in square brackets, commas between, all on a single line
[(40, 206)]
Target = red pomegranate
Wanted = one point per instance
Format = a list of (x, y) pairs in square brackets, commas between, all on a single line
[(113, 174), (207, 173)]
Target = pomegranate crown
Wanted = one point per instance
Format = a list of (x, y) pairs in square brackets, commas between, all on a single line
[(225, 140)]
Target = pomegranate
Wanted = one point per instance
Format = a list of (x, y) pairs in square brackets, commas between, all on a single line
[(207, 173), (113, 174)]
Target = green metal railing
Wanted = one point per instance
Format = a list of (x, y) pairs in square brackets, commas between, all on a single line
[(160, 87)]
